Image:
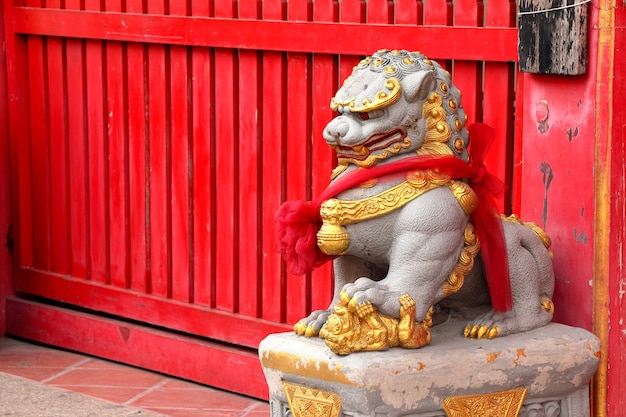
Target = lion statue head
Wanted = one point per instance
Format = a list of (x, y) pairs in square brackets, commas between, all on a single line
[(393, 104)]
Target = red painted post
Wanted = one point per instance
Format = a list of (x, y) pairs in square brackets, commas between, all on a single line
[(6, 270)]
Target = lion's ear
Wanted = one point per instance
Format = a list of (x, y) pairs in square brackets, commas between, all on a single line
[(417, 85)]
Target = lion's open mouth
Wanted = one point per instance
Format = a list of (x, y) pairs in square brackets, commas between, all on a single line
[(376, 142)]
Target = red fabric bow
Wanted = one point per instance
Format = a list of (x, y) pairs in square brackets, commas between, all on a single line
[(297, 222), (487, 220)]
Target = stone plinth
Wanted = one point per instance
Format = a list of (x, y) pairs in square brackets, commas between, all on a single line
[(554, 363)]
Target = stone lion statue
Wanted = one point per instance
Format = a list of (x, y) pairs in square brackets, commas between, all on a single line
[(408, 218)]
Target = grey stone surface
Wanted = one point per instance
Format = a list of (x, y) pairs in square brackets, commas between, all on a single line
[(555, 363), (21, 397)]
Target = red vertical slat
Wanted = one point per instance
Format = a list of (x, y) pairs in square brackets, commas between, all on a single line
[(96, 156), (249, 166), (498, 102), (180, 149), (325, 81), (351, 11), (203, 178), (518, 148), (409, 12), (40, 151), (137, 143), (381, 11), (19, 134), (273, 145), (158, 162), (226, 139), (438, 12), (117, 158), (467, 74), (77, 137), (59, 210), (298, 153)]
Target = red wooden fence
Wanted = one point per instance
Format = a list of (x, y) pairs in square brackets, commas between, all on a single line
[(152, 143)]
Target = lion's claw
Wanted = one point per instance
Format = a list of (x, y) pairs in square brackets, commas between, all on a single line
[(303, 329), (299, 328), (480, 331)]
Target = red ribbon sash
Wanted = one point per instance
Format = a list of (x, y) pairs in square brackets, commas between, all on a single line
[(297, 222)]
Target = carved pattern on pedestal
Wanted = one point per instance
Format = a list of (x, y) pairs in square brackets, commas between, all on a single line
[(495, 404), (309, 402), (551, 408)]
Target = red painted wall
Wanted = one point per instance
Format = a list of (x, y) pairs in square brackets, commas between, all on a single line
[(558, 183)]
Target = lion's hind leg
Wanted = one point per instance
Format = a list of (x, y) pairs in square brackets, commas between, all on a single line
[(532, 285)]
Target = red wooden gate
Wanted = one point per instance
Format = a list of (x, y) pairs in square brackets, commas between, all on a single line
[(152, 142)]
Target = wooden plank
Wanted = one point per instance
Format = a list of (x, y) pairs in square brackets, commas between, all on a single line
[(249, 162), (518, 148), (227, 201), (314, 37), (325, 83), (298, 147), (137, 88), (351, 11), (467, 75), (40, 152), (96, 158), (117, 164), (409, 12), (59, 198), (438, 12), (132, 305), (19, 139), (203, 153), (274, 136), (553, 37), (158, 159), (381, 11), (182, 245), (498, 103), (59, 220), (77, 152), (171, 354)]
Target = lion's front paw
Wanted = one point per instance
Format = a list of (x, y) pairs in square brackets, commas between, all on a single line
[(311, 326)]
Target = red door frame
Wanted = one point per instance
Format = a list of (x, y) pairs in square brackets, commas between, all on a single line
[(6, 237)]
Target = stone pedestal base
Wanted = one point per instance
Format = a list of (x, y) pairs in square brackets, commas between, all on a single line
[(554, 364)]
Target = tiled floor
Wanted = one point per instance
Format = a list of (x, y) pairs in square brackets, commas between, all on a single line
[(122, 384)]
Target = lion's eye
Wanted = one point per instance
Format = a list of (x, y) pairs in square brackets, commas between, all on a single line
[(374, 114)]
